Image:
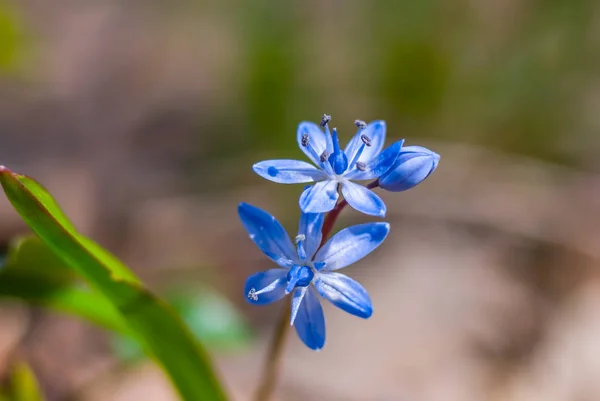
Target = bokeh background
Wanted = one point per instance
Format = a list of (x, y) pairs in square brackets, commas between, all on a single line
[(144, 117)]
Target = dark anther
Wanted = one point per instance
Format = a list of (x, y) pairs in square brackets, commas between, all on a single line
[(360, 124), (366, 139), (305, 140), (361, 166), (324, 156), (325, 119)]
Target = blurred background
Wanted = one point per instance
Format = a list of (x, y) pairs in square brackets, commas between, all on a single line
[(144, 117)]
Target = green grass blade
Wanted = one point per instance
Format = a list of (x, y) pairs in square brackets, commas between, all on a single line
[(162, 333)]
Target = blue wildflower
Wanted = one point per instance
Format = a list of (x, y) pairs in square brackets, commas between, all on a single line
[(307, 271), (413, 165), (361, 160)]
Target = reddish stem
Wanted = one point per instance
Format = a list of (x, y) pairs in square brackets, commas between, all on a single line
[(330, 220)]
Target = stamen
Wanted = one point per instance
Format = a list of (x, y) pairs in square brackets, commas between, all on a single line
[(360, 124), (361, 166), (312, 151), (305, 140), (325, 119), (324, 156), (301, 250), (366, 140), (252, 294), (359, 153), (300, 237)]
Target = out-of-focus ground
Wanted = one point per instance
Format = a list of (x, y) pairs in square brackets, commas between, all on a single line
[(143, 118)]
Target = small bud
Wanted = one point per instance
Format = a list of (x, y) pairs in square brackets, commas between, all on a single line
[(324, 156), (360, 124), (325, 119), (305, 140), (413, 165), (361, 166), (366, 139)]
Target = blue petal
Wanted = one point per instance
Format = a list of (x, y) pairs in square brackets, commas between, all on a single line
[(267, 234), (363, 199), (318, 140), (310, 321), (297, 298), (310, 227), (272, 282), (351, 244), (319, 198), (378, 165), (288, 171), (376, 133), (345, 293), (413, 165)]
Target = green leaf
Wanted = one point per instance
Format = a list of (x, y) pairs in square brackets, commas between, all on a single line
[(163, 334), (210, 316), (28, 255), (34, 274)]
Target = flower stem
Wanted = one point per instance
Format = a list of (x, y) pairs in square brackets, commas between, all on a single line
[(330, 220), (270, 372)]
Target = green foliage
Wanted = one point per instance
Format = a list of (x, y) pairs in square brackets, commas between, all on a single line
[(210, 317), (34, 274), (161, 332)]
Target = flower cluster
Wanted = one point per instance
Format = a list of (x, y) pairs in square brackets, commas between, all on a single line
[(307, 270)]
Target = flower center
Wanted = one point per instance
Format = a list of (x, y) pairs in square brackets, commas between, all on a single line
[(338, 159), (299, 276), (336, 163)]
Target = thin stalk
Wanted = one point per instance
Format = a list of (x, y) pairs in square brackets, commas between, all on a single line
[(271, 368)]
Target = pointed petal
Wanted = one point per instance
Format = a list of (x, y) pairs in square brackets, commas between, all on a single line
[(272, 282), (345, 293), (378, 165), (319, 198), (288, 171), (310, 227), (297, 298), (310, 321), (363, 199), (317, 139), (413, 165), (376, 133), (267, 234), (351, 244)]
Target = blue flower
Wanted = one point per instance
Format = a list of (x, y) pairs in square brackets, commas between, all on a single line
[(361, 160), (307, 271), (413, 165)]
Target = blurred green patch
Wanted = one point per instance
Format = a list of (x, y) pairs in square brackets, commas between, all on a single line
[(211, 318), (11, 38), (413, 78), (21, 384)]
